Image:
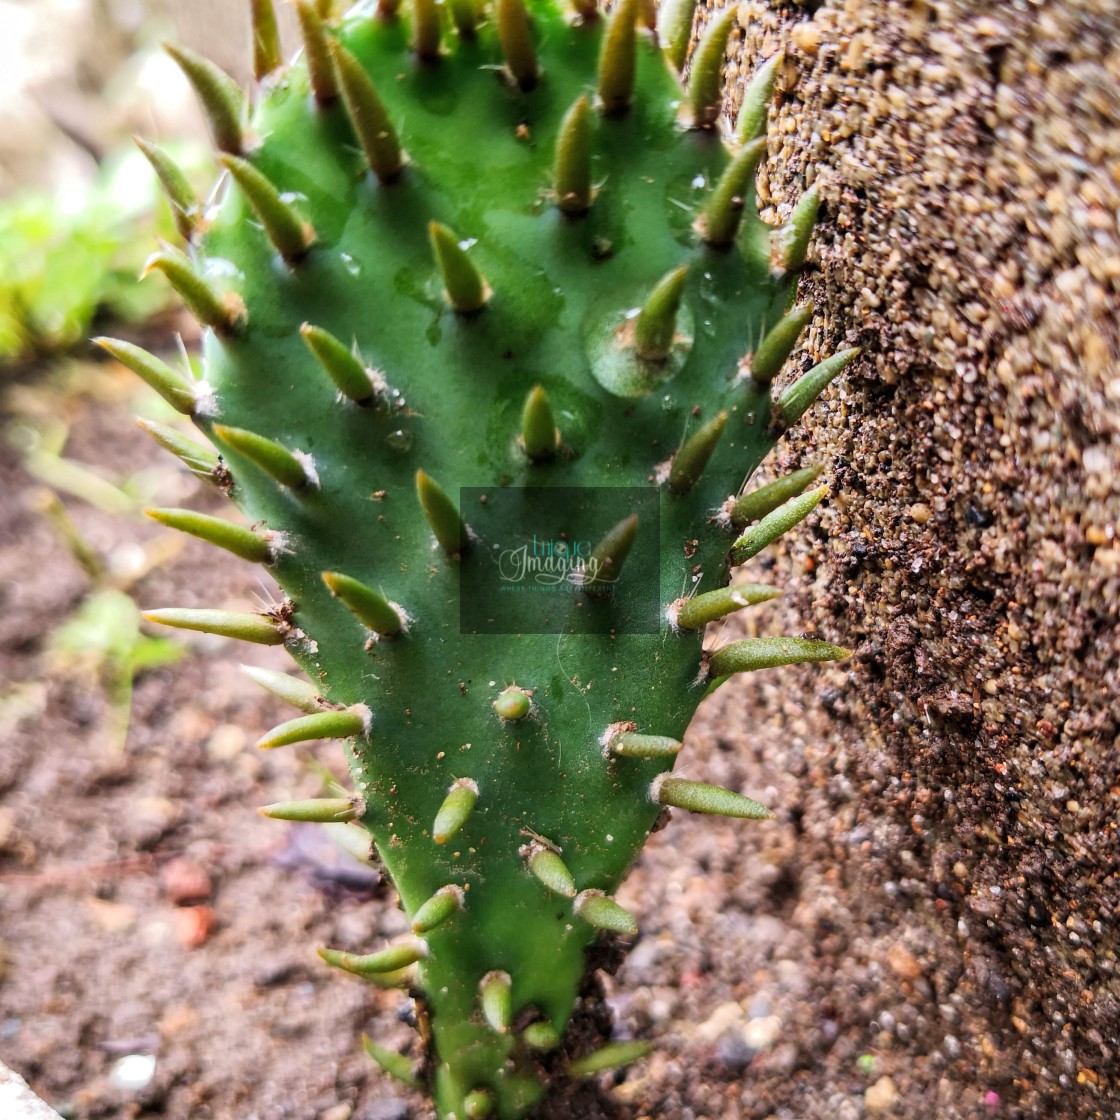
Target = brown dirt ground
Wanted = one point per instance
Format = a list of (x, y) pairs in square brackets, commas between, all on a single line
[(928, 928)]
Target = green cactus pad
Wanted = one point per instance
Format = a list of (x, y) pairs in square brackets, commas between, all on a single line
[(491, 251)]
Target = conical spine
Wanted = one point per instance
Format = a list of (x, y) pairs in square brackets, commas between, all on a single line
[(779, 342), (316, 810), (173, 387), (756, 101), (605, 562), (516, 39), (539, 436), (704, 85), (723, 213), (392, 959), (342, 723), (395, 1065), (316, 50), (618, 59), (674, 29), (602, 912), (185, 208), (267, 56), (261, 629), (758, 503), (455, 810), (689, 462), (223, 313), (800, 395), (463, 285), (753, 540), (233, 538), (700, 797), (438, 909), (368, 115), (630, 744), (656, 324), (272, 458), (694, 613), (349, 375), (791, 242), (495, 996), (612, 1056), (752, 654), (425, 30), (571, 174), (548, 868), (442, 516), (369, 607), (220, 96), (300, 694), (199, 460)]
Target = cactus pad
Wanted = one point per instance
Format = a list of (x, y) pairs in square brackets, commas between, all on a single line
[(485, 287)]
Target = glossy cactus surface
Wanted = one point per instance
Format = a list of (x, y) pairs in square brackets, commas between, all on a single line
[(464, 258)]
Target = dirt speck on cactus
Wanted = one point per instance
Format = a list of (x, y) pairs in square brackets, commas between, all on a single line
[(425, 205)]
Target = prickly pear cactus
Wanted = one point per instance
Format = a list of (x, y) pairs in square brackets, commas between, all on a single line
[(492, 327)]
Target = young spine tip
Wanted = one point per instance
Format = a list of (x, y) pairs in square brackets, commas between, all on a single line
[(433, 913), (389, 960), (370, 119), (369, 607), (698, 611), (262, 629), (690, 461), (618, 59), (350, 377), (221, 98), (751, 654), (753, 540), (790, 243), (300, 694), (267, 55), (571, 169), (699, 797), (198, 459), (316, 810), (290, 235), (539, 436), (778, 343), (185, 208), (237, 539), (339, 724), (173, 387), (513, 704), (456, 809), (548, 868), (751, 123), (795, 401), (602, 912), (705, 82), (758, 503), (656, 324), (317, 54), (674, 29), (495, 993), (604, 565), (396, 1065), (442, 516), (273, 458), (612, 1056), (224, 312), (723, 213), (629, 744), (463, 285), (516, 39)]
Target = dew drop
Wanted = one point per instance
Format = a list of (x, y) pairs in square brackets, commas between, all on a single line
[(400, 440)]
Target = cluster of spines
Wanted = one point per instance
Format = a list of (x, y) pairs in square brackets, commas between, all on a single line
[(338, 79)]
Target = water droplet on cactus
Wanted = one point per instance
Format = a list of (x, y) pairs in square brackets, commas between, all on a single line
[(400, 440)]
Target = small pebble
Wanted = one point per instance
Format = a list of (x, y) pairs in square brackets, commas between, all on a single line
[(133, 1072), (881, 1096)]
